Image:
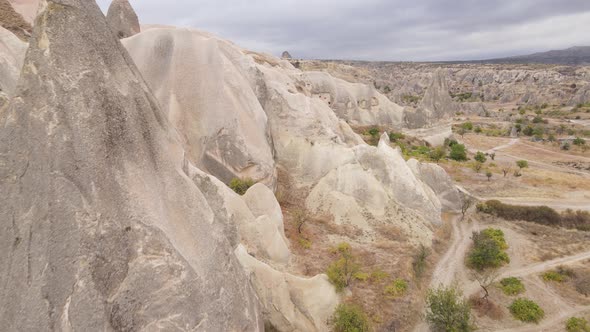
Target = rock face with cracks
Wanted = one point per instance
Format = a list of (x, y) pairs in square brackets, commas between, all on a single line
[(123, 19), (101, 227), (223, 127)]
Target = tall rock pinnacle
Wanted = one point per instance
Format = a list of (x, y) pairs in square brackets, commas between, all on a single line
[(100, 227), (123, 19)]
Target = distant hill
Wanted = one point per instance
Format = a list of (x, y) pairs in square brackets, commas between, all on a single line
[(577, 55)]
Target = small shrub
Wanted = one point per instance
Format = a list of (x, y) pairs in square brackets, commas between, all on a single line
[(576, 324), (526, 310), (374, 132), (512, 286), (480, 157), (304, 243), (350, 318), (477, 130), (458, 152), (467, 126), (419, 262), (489, 175), (553, 276), (522, 164), (378, 275), (579, 141), (396, 289), (437, 154), (361, 276), (341, 271), (447, 310), (394, 137), (240, 186)]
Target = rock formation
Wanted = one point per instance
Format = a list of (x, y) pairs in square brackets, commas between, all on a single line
[(223, 127), (440, 182), (286, 55), (27, 8), (13, 21), (358, 104), (436, 106), (12, 52), (122, 19), (102, 229)]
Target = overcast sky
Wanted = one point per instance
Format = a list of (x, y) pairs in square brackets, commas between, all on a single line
[(408, 30)]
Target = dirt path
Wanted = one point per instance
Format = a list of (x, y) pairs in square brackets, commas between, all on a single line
[(544, 266)]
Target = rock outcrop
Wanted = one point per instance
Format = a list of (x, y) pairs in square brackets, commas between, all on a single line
[(358, 104), (440, 182), (286, 56), (13, 21), (122, 19), (12, 53), (27, 8), (102, 229), (223, 127), (436, 106)]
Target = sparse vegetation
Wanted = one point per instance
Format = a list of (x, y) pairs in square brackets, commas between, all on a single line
[(480, 157), (240, 186), (341, 271), (553, 276), (488, 250), (522, 164), (419, 262), (526, 310), (300, 217), (350, 318), (411, 99), (396, 289), (512, 286), (577, 324), (447, 310), (539, 214)]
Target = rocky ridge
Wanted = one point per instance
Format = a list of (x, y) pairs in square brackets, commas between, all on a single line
[(133, 194)]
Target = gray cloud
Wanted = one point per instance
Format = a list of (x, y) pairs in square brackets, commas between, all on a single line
[(382, 29)]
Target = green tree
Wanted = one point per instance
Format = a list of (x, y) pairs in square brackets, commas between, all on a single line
[(448, 311), (458, 152), (480, 156), (489, 175), (579, 141), (488, 250)]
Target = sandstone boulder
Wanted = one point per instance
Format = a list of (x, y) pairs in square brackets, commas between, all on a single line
[(122, 19), (101, 227)]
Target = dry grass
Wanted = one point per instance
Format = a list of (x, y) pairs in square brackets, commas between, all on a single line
[(486, 307)]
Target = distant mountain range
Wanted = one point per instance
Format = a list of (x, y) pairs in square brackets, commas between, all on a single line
[(577, 55)]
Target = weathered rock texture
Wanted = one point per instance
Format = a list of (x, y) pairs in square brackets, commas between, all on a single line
[(123, 19), (13, 21), (440, 182), (27, 8), (223, 127), (531, 84), (358, 104), (102, 229), (436, 106), (12, 52)]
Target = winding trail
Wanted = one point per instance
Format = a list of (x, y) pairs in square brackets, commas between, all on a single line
[(451, 268)]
